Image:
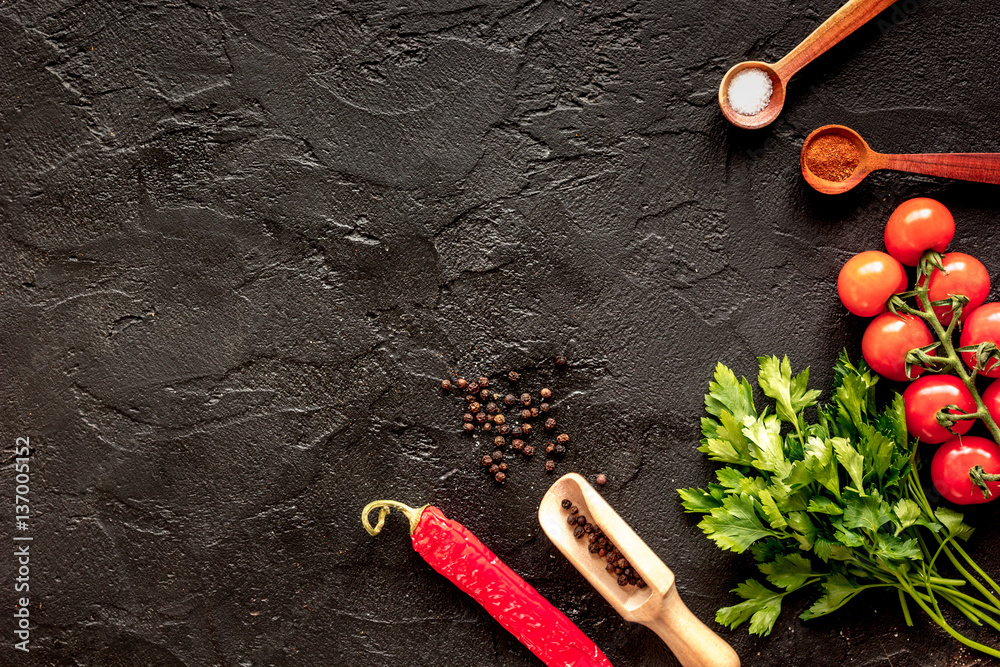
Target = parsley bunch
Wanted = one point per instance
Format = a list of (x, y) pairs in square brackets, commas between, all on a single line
[(831, 503)]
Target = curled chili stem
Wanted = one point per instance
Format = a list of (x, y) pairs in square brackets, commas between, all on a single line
[(384, 507)]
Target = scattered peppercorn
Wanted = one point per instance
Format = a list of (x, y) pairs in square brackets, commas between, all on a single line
[(525, 399), (475, 407), (550, 424), (473, 387), (500, 477), (526, 414), (499, 441), (550, 465), (481, 417), (461, 383), (571, 520), (510, 399), (566, 503), (468, 418), (574, 510), (484, 394), (497, 455), (446, 385), (494, 469), (544, 407), (581, 520), (559, 450), (513, 376), (516, 431), (562, 438), (503, 465), (550, 447), (502, 429), (468, 428), (533, 412), (560, 361), (546, 392), (487, 426), (602, 479), (484, 381), (499, 419), (517, 443), (578, 532), (470, 398), (526, 429), (487, 460), (492, 408), (529, 450)]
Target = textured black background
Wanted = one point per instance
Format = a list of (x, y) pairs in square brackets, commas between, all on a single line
[(242, 242)]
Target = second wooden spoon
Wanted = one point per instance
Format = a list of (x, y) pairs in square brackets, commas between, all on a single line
[(978, 167)]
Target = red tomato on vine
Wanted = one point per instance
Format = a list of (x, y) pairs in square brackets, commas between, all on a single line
[(926, 396), (951, 465), (867, 281), (887, 340), (916, 226)]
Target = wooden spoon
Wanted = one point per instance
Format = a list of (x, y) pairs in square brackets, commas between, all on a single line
[(846, 20), (658, 606), (978, 167)]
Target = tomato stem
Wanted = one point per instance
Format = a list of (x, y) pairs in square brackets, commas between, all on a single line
[(950, 359)]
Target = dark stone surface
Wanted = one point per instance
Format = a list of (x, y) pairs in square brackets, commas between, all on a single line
[(243, 242)]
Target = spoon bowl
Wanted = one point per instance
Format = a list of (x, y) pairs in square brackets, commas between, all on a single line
[(658, 606), (815, 139), (764, 117), (978, 167)]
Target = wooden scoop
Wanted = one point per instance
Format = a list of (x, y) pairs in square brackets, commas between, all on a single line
[(978, 167), (846, 20), (658, 606)]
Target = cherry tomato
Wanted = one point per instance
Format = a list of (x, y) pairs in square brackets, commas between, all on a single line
[(917, 225), (991, 399), (963, 274), (867, 281), (926, 396), (950, 469), (983, 325), (887, 340)]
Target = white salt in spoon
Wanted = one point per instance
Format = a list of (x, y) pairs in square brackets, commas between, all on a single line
[(846, 20), (658, 606)]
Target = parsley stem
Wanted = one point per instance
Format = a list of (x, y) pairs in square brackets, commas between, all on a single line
[(906, 608), (943, 624)]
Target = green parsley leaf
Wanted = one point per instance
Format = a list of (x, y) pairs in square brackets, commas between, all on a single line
[(868, 512), (952, 521), (852, 461), (792, 396), (697, 500), (907, 512), (761, 605), (769, 453), (771, 510), (838, 591), (789, 572), (729, 394), (735, 525)]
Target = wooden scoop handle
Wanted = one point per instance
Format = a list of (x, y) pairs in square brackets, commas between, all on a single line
[(846, 20), (977, 167), (694, 644)]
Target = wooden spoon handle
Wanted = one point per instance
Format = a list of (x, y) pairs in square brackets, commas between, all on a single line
[(845, 20), (694, 644), (978, 167)]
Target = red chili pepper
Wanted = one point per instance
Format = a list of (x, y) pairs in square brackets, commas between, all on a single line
[(452, 550)]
